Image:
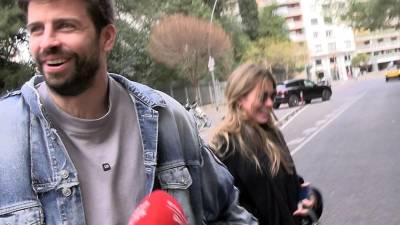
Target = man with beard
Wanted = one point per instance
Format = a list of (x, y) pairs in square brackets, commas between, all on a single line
[(79, 145)]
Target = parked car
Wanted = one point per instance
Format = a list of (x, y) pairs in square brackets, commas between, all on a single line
[(394, 72), (294, 91)]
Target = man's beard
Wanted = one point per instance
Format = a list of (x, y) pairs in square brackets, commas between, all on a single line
[(80, 79)]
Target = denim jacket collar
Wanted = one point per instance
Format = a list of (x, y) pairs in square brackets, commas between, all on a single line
[(146, 95)]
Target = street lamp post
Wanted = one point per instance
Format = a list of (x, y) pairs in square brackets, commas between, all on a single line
[(211, 62)]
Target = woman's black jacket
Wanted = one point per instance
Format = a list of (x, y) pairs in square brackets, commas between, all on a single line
[(271, 199)]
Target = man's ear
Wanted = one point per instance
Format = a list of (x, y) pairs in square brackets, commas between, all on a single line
[(108, 35)]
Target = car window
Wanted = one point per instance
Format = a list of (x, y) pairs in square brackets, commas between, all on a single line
[(292, 84), (280, 87), (308, 83)]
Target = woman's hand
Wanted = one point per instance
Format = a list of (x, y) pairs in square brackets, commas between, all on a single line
[(304, 206)]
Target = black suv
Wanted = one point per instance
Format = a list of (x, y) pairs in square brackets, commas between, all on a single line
[(294, 91)]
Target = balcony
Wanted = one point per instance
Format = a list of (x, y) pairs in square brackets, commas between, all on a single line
[(387, 45), (292, 12), (289, 12), (297, 37), (287, 2), (295, 25)]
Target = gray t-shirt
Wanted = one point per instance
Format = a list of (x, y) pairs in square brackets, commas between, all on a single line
[(107, 153)]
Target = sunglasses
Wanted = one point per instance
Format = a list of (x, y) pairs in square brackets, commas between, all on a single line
[(266, 95)]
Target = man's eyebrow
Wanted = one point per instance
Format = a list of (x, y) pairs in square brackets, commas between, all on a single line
[(61, 20)]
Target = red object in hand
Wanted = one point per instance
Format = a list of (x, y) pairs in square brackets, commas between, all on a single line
[(158, 208)]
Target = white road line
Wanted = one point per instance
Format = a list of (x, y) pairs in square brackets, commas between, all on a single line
[(345, 107), (296, 141), (309, 131), (319, 122), (298, 112)]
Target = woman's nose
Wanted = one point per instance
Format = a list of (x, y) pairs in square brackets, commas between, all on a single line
[(269, 101)]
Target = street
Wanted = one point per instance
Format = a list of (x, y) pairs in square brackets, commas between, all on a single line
[(348, 147)]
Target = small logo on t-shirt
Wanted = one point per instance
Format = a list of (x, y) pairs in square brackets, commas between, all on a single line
[(106, 167)]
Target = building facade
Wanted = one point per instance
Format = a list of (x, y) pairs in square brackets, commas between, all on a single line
[(383, 48), (330, 44)]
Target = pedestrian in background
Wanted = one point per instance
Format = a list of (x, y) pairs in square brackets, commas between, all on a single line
[(255, 152), (79, 145)]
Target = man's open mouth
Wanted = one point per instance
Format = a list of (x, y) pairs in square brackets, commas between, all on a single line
[(56, 62)]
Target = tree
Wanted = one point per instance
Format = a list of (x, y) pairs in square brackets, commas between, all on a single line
[(279, 55), (12, 73), (239, 39), (249, 14), (369, 14), (185, 43), (360, 61), (272, 25), (134, 21)]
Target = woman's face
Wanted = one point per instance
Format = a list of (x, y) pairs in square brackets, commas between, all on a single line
[(258, 103)]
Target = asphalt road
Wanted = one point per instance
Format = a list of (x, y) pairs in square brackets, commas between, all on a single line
[(349, 147)]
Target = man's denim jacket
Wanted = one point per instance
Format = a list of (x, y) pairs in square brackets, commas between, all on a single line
[(39, 184)]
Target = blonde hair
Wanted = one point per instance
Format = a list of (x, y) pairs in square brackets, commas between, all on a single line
[(237, 132)]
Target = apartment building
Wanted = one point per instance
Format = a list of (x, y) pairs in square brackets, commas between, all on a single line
[(292, 12), (383, 48), (330, 44)]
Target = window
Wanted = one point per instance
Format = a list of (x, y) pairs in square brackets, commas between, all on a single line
[(326, 6), (332, 46), (318, 62), (393, 38), (299, 31), (297, 18), (293, 84), (347, 44), (314, 21), (318, 48), (332, 59), (367, 42), (294, 5), (328, 33), (308, 83), (328, 20), (380, 40), (315, 34)]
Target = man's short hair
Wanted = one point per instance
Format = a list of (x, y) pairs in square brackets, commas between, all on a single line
[(101, 11)]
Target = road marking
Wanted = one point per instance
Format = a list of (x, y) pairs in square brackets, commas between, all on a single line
[(295, 115), (295, 141), (319, 122), (343, 109), (308, 131)]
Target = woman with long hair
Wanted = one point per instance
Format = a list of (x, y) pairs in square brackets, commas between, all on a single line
[(250, 144)]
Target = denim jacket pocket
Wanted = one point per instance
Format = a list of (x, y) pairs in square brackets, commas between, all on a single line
[(28, 212), (175, 178)]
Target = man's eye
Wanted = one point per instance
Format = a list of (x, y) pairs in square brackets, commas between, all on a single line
[(66, 26), (34, 30)]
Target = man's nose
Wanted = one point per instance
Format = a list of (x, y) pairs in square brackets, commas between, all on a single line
[(49, 39)]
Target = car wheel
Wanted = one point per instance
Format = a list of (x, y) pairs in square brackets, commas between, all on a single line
[(307, 101), (326, 95), (276, 105), (387, 79), (293, 100)]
